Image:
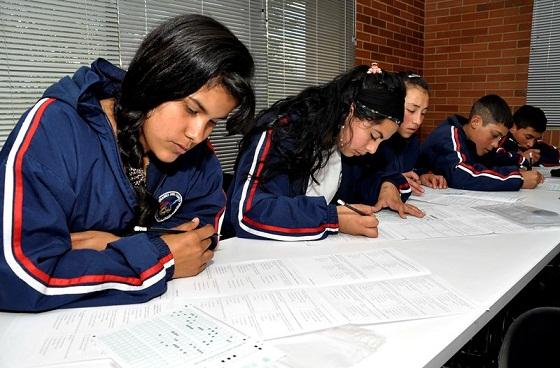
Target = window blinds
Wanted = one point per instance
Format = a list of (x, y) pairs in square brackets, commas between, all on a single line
[(42, 41), (544, 63), (294, 44)]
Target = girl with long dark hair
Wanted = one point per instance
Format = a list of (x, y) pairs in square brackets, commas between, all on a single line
[(290, 172), (104, 151)]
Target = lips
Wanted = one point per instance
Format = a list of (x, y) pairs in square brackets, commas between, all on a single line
[(180, 149)]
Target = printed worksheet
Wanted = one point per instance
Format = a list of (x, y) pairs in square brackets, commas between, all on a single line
[(281, 313), (465, 198), (395, 300), (527, 216), (275, 274), (550, 184), (68, 335), (441, 222), (273, 314)]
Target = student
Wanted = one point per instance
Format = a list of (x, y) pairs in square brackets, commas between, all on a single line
[(455, 147), (400, 152), (106, 150), (289, 172), (523, 144)]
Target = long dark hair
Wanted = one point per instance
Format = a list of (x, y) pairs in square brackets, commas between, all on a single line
[(318, 114), (175, 60)]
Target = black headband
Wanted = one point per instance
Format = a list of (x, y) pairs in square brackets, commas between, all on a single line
[(372, 102)]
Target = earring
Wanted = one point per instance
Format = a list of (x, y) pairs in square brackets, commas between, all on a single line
[(342, 143)]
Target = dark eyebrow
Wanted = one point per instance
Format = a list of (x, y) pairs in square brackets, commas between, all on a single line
[(198, 104), (203, 109)]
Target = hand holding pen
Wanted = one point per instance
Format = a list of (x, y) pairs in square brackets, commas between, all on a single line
[(357, 219), (190, 248)]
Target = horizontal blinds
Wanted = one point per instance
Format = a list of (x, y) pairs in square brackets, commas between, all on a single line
[(42, 41), (544, 64), (295, 44), (308, 44)]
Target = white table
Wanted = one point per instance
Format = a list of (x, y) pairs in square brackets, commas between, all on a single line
[(489, 269)]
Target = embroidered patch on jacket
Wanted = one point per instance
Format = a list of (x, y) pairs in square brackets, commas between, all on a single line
[(169, 203)]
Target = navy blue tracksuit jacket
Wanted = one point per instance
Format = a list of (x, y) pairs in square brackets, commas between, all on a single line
[(447, 151), (280, 209), (61, 173)]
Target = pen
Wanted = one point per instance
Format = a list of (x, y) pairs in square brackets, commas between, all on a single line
[(342, 203), (161, 230)]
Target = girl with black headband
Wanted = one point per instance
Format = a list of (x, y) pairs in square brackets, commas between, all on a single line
[(290, 173)]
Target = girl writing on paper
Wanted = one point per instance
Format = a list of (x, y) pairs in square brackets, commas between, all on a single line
[(290, 170), (105, 150)]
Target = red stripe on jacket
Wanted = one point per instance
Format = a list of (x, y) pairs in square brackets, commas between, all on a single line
[(18, 221)]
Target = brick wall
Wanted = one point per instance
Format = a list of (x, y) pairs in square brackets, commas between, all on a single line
[(390, 32), (473, 48), (464, 48)]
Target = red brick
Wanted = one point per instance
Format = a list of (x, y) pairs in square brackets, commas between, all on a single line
[(500, 77), (462, 10), (475, 47), (515, 36)]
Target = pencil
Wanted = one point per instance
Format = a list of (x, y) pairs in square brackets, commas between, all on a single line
[(342, 203)]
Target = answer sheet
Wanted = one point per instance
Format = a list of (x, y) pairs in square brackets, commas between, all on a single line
[(272, 314), (244, 277), (395, 300), (185, 337), (280, 313), (67, 335), (441, 222), (465, 198)]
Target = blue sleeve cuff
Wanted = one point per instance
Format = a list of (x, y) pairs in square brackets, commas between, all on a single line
[(163, 251)]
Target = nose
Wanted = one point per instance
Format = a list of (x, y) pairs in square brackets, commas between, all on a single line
[(196, 130), (372, 146), (531, 142), (417, 118)]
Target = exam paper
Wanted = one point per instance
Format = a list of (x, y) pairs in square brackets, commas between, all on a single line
[(281, 313), (441, 222), (395, 300), (465, 198), (245, 277), (273, 314), (185, 337), (528, 216), (550, 184), (68, 335)]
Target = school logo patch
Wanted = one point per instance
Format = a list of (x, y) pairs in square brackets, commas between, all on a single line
[(169, 203)]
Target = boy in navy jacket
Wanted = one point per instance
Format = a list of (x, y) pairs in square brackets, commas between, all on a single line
[(454, 149), (523, 145)]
